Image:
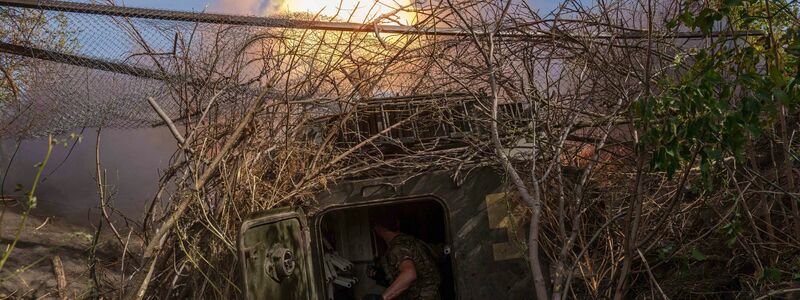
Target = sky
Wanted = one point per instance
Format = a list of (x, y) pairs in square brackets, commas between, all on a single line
[(225, 5), (184, 5)]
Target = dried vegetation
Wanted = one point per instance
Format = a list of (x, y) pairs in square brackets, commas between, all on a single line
[(269, 117)]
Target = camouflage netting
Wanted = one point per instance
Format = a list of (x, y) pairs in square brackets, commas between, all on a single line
[(87, 73), (68, 69)]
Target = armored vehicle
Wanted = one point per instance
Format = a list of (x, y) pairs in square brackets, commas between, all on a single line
[(324, 250)]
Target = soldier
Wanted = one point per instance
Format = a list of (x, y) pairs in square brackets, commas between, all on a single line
[(409, 263)]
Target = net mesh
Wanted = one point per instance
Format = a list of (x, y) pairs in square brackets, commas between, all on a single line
[(69, 65), (95, 85), (65, 69)]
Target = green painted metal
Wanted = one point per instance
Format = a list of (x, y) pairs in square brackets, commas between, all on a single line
[(488, 252), (276, 261)]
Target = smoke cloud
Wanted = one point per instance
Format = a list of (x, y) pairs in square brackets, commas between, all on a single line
[(132, 160), (246, 7)]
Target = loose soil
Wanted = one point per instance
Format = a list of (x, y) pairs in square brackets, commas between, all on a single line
[(29, 271)]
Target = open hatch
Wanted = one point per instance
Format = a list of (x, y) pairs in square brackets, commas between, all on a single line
[(349, 245), (275, 251)]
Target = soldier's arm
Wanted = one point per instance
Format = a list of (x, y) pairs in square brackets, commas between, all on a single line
[(407, 276)]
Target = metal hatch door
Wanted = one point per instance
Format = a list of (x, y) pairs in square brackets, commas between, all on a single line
[(274, 250)]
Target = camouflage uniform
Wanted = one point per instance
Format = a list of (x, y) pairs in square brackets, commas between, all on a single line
[(403, 247)]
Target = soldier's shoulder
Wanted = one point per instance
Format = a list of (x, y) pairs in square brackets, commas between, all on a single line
[(403, 247), (402, 241), (405, 238)]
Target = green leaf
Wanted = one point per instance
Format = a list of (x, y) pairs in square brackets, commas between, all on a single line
[(732, 2), (794, 49), (665, 251), (672, 24), (771, 274), (732, 230), (780, 95), (697, 255), (687, 18)]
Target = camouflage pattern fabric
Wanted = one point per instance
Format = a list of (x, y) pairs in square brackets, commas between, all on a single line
[(403, 247)]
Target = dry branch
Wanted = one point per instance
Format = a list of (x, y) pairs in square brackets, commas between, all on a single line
[(61, 279)]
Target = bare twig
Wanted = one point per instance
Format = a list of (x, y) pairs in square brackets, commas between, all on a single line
[(61, 279)]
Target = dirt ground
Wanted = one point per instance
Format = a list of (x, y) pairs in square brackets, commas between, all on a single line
[(29, 272)]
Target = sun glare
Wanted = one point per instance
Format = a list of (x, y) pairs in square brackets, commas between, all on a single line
[(358, 11)]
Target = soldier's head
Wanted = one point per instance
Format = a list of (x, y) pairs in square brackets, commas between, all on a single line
[(384, 222)]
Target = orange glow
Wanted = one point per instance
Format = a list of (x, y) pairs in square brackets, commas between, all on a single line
[(361, 11)]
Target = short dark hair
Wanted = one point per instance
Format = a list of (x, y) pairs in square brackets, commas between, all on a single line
[(385, 218)]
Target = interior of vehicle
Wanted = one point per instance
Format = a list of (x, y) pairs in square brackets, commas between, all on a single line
[(351, 246)]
